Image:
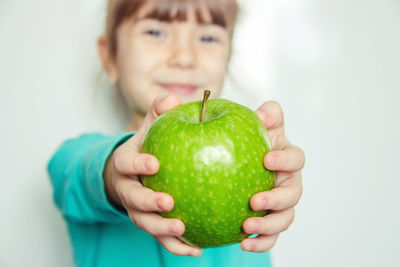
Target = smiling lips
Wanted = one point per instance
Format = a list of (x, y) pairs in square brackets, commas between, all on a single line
[(180, 88)]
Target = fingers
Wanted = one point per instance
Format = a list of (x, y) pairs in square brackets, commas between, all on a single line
[(286, 195), (291, 159), (154, 224), (159, 106), (178, 247), (268, 228), (127, 159), (271, 224), (261, 243), (129, 162), (271, 114), (134, 195)]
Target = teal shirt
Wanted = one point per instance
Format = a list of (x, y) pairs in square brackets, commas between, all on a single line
[(100, 234)]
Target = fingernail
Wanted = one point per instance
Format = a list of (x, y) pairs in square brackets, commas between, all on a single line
[(160, 204), (149, 165), (252, 226), (249, 247), (272, 160), (172, 228), (262, 115), (194, 253), (261, 204)]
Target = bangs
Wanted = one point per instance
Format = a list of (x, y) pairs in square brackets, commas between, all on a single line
[(205, 11), (218, 12)]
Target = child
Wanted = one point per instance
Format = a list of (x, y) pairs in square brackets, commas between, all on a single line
[(162, 52)]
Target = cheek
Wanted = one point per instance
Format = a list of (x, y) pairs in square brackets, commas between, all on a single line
[(215, 63), (137, 62), (135, 67), (131, 78)]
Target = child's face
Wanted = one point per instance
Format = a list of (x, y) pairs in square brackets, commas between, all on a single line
[(158, 58)]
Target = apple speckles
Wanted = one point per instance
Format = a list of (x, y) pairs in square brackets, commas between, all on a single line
[(212, 181), (166, 166), (243, 146), (255, 155), (224, 187)]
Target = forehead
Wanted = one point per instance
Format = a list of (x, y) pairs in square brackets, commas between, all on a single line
[(202, 11)]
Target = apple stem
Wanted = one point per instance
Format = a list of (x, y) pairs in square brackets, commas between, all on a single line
[(203, 106)]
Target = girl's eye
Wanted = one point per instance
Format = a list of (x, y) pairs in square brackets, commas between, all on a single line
[(208, 39), (155, 33)]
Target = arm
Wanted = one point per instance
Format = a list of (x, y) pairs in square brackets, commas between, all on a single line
[(76, 172), (122, 180), (85, 168)]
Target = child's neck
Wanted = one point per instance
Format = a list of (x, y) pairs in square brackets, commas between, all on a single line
[(136, 121)]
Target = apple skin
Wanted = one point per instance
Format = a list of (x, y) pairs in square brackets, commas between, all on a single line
[(210, 168)]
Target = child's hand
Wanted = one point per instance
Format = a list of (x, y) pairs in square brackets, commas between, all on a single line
[(141, 203), (287, 160)]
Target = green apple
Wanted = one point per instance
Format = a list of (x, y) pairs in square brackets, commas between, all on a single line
[(211, 168)]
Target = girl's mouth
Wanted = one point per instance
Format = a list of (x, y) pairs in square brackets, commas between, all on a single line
[(179, 88)]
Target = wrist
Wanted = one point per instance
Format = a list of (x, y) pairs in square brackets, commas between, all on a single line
[(111, 194)]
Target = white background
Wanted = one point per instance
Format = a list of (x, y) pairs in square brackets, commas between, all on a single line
[(333, 66)]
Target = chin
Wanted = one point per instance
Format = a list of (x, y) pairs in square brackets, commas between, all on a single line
[(197, 96)]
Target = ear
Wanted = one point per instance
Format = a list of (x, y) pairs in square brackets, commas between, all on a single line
[(107, 58)]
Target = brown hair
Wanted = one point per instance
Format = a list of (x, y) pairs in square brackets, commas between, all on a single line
[(222, 13)]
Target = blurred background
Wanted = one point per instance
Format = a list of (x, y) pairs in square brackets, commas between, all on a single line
[(333, 66)]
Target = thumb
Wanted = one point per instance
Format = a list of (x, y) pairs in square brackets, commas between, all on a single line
[(159, 106)]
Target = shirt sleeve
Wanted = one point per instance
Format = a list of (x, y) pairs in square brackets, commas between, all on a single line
[(76, 172)]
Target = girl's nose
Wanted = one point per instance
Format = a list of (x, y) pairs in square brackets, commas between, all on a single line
[(183, 55)]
